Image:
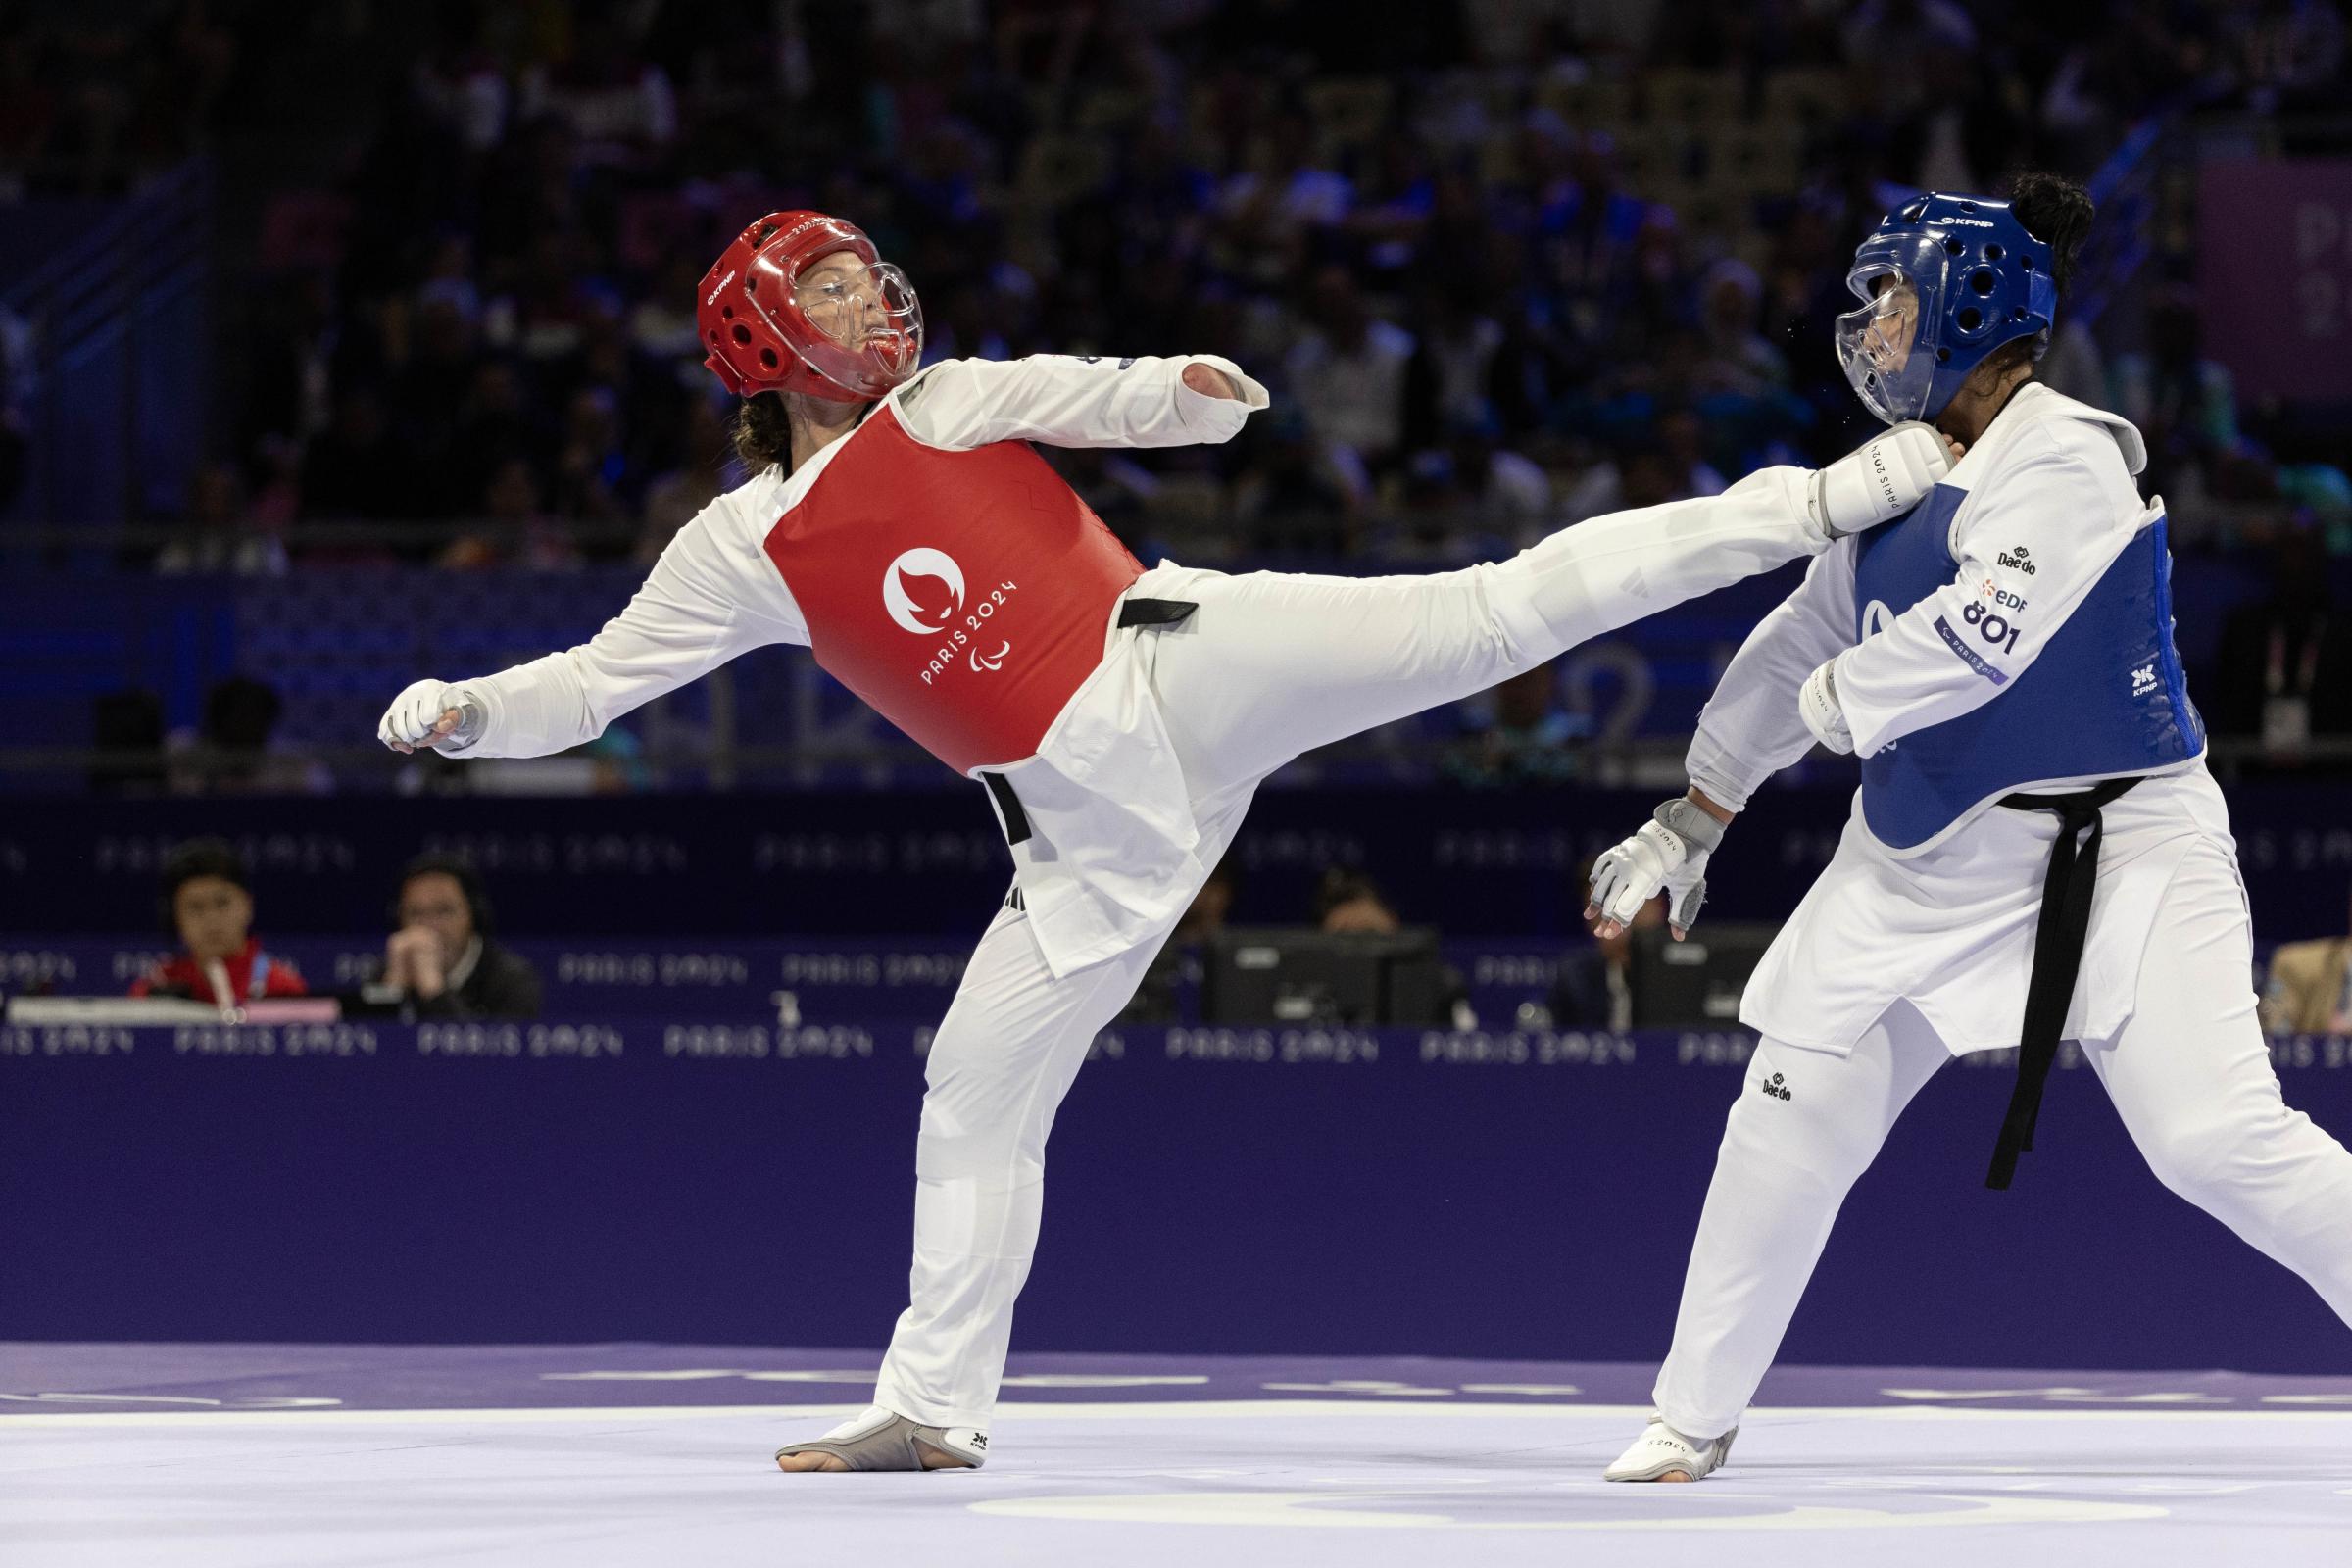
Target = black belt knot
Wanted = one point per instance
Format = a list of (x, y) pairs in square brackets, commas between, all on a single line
[(2059, 937), (1154, 612)]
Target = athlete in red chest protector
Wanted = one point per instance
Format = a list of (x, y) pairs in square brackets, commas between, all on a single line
[(1006, 600), (901, 526)]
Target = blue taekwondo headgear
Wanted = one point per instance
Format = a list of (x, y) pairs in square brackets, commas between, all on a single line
[(1962, 277)]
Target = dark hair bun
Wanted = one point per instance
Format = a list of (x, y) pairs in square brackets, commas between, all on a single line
[(2056, 211)]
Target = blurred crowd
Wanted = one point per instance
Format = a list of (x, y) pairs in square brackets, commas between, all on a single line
[(92, 95), (1505, 264)]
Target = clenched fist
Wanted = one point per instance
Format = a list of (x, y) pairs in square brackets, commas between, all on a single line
[(428, 713)]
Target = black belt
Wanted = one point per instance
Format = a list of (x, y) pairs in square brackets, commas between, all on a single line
[(1008, 806), (1154, 612), (1132, 612), (2058, 941)]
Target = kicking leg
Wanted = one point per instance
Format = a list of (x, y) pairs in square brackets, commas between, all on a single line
[(1277, 664), (1806, 1125), (2190, 1074), (1006, 1052)]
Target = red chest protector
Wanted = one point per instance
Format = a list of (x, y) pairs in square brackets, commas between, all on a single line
[(963, 595)]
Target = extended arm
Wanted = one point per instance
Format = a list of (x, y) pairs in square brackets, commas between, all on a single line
[(1066, 401), (711, 596), (1749, 729)]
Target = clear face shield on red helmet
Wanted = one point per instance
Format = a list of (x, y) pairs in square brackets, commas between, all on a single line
[(856, 322)]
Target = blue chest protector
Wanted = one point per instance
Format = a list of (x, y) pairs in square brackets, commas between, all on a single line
[(2104, 699)]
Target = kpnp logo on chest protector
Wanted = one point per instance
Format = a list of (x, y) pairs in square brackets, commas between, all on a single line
[(965, 596)]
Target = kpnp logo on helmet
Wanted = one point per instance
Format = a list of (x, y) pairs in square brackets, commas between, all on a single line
[(928, 616)]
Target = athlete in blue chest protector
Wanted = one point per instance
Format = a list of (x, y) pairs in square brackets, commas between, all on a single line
[(2036, 854)]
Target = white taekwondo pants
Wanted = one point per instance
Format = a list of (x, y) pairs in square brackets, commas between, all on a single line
[(2189, 1073), (1269, 667)]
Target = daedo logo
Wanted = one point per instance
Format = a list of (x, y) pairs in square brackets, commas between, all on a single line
[(929, 613)]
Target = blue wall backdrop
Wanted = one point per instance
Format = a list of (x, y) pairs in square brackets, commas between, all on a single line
[(1369, 1192), (664, 1160)]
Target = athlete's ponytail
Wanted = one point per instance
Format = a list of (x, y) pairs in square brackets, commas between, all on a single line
[(763, 433), (2056, 211)]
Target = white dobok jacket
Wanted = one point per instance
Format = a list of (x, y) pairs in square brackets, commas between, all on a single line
[(2049, 502)]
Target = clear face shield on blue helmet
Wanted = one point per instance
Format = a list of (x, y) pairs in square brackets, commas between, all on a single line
[(1888, 347)]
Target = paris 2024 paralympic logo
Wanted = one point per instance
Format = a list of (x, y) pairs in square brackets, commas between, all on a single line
[(923, 590)]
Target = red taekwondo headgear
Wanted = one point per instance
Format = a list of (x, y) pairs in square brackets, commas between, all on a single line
[(850, 336)]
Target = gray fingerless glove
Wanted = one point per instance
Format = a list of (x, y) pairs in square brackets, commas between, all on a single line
[(1666, 855)]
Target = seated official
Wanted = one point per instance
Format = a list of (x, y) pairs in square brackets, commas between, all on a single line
[(2310, 988), (442, 962), (1350, 901), (208, 902)]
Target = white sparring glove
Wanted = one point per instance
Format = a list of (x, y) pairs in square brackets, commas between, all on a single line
[(1817, 704), (1666, 855), (430, 713), (1879, 481)]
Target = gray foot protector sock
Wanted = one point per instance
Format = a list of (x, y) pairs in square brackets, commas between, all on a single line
[(881, 1440)]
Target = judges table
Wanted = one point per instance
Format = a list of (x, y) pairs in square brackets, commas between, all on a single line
[(727, 1179)]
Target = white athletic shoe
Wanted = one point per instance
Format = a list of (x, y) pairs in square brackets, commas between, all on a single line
[(1661, 1452)]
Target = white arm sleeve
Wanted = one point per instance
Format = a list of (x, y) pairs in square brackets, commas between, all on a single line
[(1750, 728), (711, 596), (2031, 541), (1066, 401)]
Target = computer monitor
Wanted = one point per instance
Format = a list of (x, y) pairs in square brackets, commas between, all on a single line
[(1696, 982), (1296, 975)]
